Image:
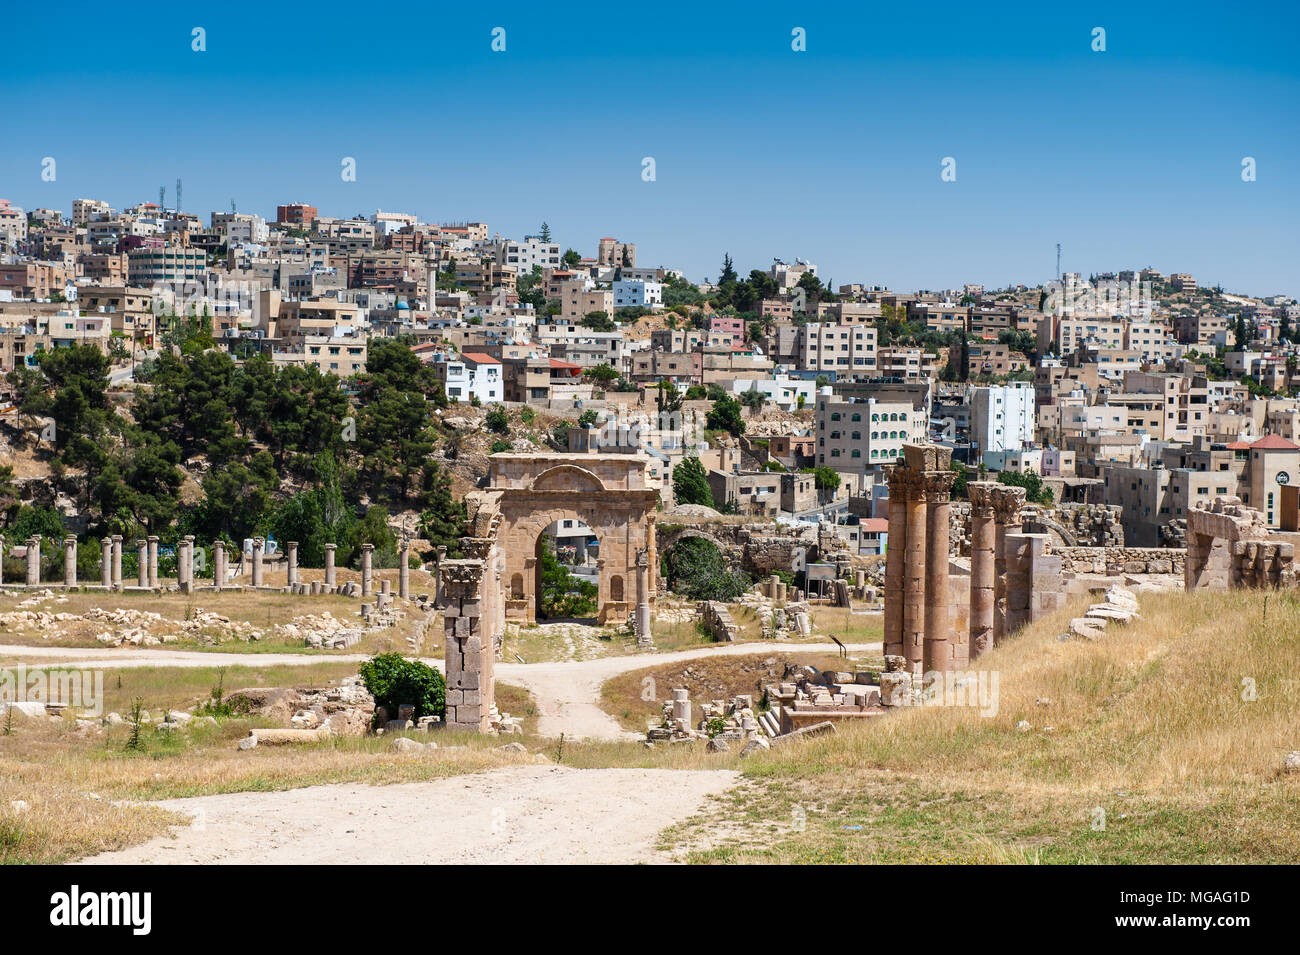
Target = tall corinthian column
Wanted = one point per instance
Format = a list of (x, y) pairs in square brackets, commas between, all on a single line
[(982, 570), (940, 648)]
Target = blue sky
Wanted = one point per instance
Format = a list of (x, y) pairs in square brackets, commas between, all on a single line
[(1130, 157)]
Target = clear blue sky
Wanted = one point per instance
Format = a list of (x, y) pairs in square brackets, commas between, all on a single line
[(1130, 157)]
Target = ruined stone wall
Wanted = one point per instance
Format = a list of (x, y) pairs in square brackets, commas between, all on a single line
[(718, 622), (1122, 560)]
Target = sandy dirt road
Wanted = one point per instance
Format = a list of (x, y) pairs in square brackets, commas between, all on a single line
[(521, 814), (567, 693)]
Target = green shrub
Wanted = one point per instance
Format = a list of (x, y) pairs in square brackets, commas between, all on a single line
[(393, 680)]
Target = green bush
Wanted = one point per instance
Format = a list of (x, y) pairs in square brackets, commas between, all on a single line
[(393, 680)]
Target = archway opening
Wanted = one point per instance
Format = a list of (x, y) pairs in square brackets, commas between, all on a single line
[(568, 582)]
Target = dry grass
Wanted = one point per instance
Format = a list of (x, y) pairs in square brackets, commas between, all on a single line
[(1149, 724), (264, 609)]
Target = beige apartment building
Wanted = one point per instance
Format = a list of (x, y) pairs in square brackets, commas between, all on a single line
[(38, 280), (1200, 330), (855, 436), (839, 349), (1065, 335), (905, 361), (130, 310)]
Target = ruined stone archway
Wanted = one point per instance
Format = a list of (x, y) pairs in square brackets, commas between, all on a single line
[(607, 492)]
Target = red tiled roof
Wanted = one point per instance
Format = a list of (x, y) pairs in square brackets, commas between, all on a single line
[(1238, 445), (556, 363), (478, 358), (1275, 442), (875, 525)]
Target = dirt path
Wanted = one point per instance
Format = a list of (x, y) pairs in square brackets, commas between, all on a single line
[(567, 693), (523, 814)]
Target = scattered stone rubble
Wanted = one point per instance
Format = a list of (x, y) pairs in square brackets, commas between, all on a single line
[(807, 696), (319, 631), (732, 719), (1120, 606), (717, 621)]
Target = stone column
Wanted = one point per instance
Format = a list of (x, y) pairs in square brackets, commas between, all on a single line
[(940, 649), (367, 572), (643, 636), (982, 566), (2, 561), (404, 569), (106, 562), (914, 578), (69, 562), (1007, 502), (329, 564), (117, 561), (219, 564), (291, 554), (153, 561), (185, 553), (894, 547), (142, 563), (258, 544), (33, 562)]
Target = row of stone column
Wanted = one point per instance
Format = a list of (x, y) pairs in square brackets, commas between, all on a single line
[(917, 619), (147, 564), (995, 510)]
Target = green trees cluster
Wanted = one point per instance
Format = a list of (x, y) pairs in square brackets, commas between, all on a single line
[(1036, 492), (279, 449), (691, 483), (696, 568), (563, 594)]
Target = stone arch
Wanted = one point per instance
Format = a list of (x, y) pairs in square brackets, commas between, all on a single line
[(567, 477)]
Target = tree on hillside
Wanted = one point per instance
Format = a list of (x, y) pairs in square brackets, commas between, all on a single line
[(691, 483), (725, 416)]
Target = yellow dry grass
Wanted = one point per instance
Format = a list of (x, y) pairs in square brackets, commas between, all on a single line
[(1171, 731)]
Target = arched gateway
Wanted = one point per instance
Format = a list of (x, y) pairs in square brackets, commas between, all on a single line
[(607, 492), (497, 581)]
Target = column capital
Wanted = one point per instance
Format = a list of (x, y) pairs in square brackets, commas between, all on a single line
[(980, 495), (1007, 502), (938, 486)]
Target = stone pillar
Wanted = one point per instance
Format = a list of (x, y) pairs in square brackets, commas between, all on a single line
[(69, 562), (940, 649), (185, 564), (404, 569), (142, 563), (1007, 502), (470, 644), (106, 562), (894, 548), (367, 572), (914, 580), (329, 564), (219, 565), (982, 566), (153, 561), (259, 544), (644, 638), (2, 561), (117, 561), (291, 553), (33, 562)]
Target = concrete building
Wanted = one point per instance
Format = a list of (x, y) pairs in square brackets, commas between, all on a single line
[(856, 436), (1002, 418)]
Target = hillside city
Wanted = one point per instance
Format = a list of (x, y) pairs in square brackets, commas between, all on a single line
[(1135, 389), (372, 540)]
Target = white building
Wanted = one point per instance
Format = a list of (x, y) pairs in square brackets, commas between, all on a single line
[(522, 256), (781, 390), (1002, 417), (632, 294), (472, 375)]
